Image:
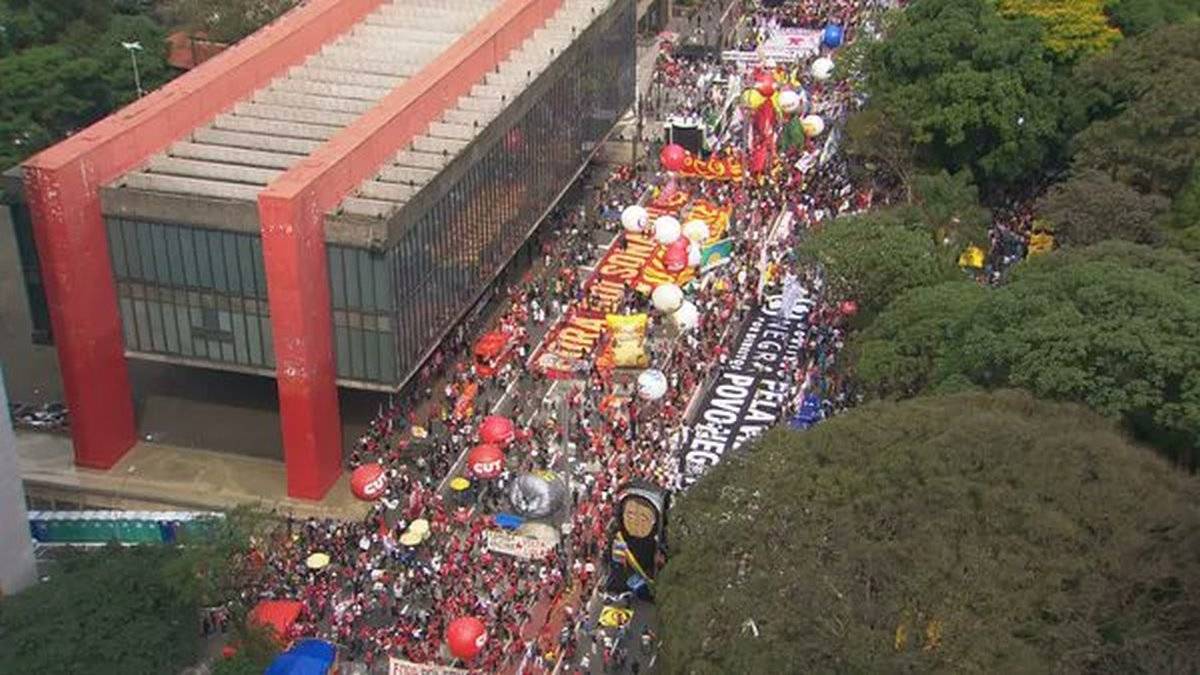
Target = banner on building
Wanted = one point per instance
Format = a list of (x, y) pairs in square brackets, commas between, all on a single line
[(752, 389), (518, 546)]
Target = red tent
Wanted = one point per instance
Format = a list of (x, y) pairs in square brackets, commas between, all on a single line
[(278, 614)]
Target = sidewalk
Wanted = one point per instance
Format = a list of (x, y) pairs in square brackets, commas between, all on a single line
[(154, 476)]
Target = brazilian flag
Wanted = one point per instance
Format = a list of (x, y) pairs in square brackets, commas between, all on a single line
[(716, 254)]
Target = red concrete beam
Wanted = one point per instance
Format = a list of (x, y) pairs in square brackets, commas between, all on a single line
[(62, 186), (291, 213)]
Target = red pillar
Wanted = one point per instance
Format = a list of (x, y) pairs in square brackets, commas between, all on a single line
[(73, 251), (293, 240)]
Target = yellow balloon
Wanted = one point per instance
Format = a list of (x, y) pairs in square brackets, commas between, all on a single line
[(754, 99)]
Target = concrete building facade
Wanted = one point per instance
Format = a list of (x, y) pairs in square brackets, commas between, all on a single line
[(319, 205), (17, 566)]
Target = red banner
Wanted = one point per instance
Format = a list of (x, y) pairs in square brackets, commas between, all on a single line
[(716, 167), (571, 344)]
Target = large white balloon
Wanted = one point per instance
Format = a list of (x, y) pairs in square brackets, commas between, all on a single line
[(634, 218), (789, 101), (696, 231), (687, 316), (822, 69), (651, 385), (813, 125), (694, 254), (667, 298), (666, 230)]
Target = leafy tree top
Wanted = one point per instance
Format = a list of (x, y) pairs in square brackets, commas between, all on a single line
[(1115, 326), (976, 90), (1072, 29), (875, 257), (973, 533)]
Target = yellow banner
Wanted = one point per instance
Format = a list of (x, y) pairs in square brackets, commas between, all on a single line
[(628, 340)]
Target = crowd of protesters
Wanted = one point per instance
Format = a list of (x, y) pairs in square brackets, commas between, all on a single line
[(378, 598)]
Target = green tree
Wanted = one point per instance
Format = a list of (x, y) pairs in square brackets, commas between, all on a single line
[(973, 90), (900, 352), (949, 204), (46, 92), (1091, 207), (1115, 326), (875, 257), (1139, 16), (973, 533), (884, 148), (225, 20), (1071, 29), (1145, 99), (107, 612)]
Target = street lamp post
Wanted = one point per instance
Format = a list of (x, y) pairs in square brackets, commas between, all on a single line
[(133, 48)]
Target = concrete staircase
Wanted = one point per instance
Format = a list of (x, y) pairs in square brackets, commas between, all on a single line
[(244, 149), (416, 165)]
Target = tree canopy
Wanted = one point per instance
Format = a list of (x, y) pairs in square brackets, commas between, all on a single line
[(1115, 326), (990, 533), (1139, 16), (875, 257), (1071, 29), (226, 20), (109, 612), (1145, 99), (62, 67), (1091, 207), (973, 89)]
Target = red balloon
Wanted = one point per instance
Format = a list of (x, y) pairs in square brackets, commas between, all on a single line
[(676, 257), (368, 481), (849, 308), (466, 636), (672, 157), (485, 461), (497, 430), (765, 84)]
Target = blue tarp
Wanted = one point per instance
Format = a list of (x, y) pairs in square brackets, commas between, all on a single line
[(307, 657), (508, 521), (809, 413)]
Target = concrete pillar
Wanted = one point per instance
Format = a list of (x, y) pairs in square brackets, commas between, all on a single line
[(17, 568), (73, 248), (293, 241)]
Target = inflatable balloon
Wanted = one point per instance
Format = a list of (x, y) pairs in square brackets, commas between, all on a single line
[(634, 218), (694, 254), (813, 126), (672, 157), (666, 298), (765, 85), (789, 101), (822, 69), (465, 636), (752, 99), (497, 430), (537, 495), (368, 481), (666, 230), (676, 257), (696, 231), (486, 461), (651, 385), (832, 37), (687, 316)]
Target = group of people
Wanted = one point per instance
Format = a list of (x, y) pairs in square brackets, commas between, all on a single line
[(379, 598)]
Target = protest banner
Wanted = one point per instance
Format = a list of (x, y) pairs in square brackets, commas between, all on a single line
[(751, 389)]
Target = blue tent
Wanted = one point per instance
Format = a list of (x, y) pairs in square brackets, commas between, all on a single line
[(307, 657)]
